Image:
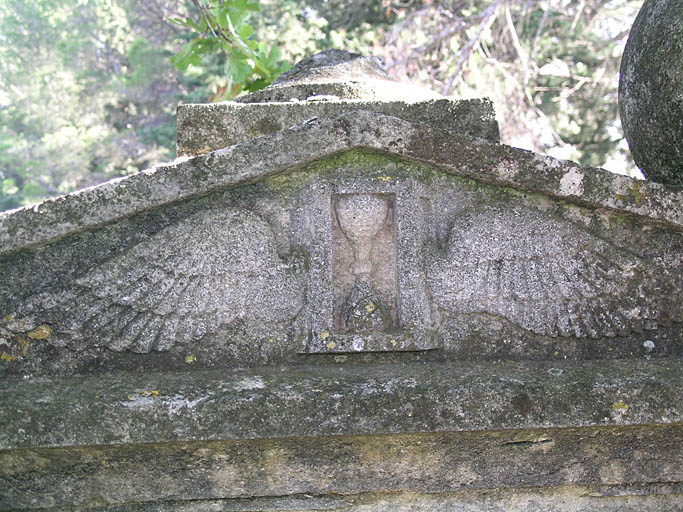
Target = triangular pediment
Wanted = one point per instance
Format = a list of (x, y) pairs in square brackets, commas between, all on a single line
[(250, 240), (317, 139)]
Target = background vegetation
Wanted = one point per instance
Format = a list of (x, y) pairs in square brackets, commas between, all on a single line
[(88, 91)]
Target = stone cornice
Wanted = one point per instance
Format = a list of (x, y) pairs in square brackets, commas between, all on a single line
[(317, 139)]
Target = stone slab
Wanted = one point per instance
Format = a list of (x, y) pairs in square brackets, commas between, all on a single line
[(334, 400), (564, 499), (607, 468), (208, 127)]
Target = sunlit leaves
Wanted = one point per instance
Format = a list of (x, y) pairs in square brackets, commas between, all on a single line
[(83, 98), (222, 28)]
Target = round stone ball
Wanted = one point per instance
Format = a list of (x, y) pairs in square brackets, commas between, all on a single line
[(651, 91)]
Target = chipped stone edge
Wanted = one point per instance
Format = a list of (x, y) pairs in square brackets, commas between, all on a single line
[(311, 141)]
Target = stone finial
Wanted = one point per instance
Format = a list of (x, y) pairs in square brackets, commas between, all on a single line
[(650, 85), (336, 65), (321, 86), (338, 75)]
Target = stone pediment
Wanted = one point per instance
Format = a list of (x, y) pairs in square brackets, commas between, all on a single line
[(317, 139), (247, 255), (362, 293)]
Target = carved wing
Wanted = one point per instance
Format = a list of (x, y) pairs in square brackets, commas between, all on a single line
[(183, 283), (546, 277)]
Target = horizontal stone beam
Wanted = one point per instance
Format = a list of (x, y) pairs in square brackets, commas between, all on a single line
[(336, 399), (593, 468), (208, 127)]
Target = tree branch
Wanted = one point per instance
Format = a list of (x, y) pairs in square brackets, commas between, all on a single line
[(465, 51), (539, 30), (202, 10)]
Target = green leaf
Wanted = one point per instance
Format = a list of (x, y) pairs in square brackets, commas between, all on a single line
[(257, 85), (185, 56), (178, 21), (222, 18), (190, 23), (274, 56), (245, 32), (238, 69), (237, 18)]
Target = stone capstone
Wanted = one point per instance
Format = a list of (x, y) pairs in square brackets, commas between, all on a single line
[(323, 86), (334, 64), (210, 126), (651, 91), (338, 74)]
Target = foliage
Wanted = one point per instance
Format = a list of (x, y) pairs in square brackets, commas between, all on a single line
[(551, 67), (223, 29), (84, 96), (88, 93)]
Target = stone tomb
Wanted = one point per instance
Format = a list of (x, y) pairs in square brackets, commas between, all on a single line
[(331, 301)]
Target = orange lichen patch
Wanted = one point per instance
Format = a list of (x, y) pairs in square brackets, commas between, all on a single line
[(152, 394)]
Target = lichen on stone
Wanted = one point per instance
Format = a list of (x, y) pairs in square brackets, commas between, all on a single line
[(41, 332)]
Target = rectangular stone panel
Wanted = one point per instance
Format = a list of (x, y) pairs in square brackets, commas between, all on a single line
[(367, 292), (364, 263)]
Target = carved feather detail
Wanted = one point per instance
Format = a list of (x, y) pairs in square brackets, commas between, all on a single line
[(546, 277), (181, 284)]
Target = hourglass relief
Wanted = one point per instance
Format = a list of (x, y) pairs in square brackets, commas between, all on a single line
[(364, 263)]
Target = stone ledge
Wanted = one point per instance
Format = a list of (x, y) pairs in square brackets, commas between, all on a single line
[(208, 127), (335, 400), (599, 468), (569, 499), (362, 88)]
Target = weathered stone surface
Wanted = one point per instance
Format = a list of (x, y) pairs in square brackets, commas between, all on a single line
[(650, 91), (323, 400), (326, 85), (208, 127), (338, 74), (280, 152), (598, 498), (561, 469), (333, 64), (480, 273)]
